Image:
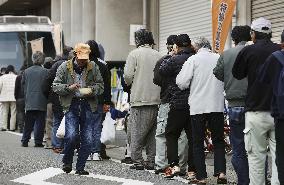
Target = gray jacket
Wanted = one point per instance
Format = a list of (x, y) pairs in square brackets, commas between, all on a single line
[(32, 82), (235, 89), (138, 72)]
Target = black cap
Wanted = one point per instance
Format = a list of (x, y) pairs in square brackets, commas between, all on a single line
[(183, 40), (171, 39)]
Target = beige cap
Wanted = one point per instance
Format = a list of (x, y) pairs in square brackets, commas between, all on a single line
[(82, 51)]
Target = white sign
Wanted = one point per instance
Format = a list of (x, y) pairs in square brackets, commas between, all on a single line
[(39, 178), (133, 29)]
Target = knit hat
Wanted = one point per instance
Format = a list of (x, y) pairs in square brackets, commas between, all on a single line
[(183, 40), (171, 39)]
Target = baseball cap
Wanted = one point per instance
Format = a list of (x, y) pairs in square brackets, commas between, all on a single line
[(261, 25), (82, 51)]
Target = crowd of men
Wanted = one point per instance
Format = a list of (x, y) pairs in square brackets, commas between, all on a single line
[(173, 98)]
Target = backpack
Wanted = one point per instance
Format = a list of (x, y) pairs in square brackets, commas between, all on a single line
[(279, 89)]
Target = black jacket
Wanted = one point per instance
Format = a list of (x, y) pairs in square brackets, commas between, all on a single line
[(47, 90), (169, 69), (19, 90), (247, 65), (161, 81), (105, 98)]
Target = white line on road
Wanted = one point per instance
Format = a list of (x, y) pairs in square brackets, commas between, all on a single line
[(38, 178)]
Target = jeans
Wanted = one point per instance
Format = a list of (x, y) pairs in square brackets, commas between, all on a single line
[(97, 130), (79, 115), (35, 121), (279, 130), (239, 158), (215, 123), (55, 141)]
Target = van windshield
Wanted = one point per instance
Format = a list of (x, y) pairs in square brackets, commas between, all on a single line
[(16, 50)]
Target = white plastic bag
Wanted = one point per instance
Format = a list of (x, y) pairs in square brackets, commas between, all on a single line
[(108, 131), (60, 133)]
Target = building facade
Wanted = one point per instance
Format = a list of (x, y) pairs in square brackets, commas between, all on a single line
[(109, 21)]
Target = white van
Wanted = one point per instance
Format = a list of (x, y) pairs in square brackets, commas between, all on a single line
[(15, 34)]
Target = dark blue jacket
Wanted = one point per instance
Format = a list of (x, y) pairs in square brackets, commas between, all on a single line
[(269, 73), (170, 68)]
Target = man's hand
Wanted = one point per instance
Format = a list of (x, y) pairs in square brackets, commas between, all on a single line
[(106, 108), (74, 86)]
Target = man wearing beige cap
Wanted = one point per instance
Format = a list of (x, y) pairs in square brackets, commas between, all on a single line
[(78, 82), (259, 125)]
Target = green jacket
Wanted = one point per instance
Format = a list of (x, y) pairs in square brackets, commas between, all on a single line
[(65, 77), (235, 90)]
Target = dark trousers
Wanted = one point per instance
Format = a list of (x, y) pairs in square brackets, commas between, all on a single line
[(215, 123), (178, 120), (55, 141), (34, 121), (279, 136), (20, 107), (239, 158)]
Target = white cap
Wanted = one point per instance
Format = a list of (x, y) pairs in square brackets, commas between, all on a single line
[(259, 25)]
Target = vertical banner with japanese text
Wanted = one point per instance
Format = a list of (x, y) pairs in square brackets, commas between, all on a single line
[(222, 13)]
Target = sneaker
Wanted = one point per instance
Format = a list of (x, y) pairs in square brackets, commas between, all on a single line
[(199, 182), (97, 157), (172, 171), (104, 155), (25, 145), (67, 168), (90, 158), (222, 179), (190, 175), (127, 160), (82, 172), (158, 171), (137, 166)]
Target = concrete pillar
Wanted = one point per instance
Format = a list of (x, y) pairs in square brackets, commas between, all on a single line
[(66, 21), (55, 11), (89, 20), (113, 19), (2, 2), (243, 12), (76, 21), (153, 19)]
